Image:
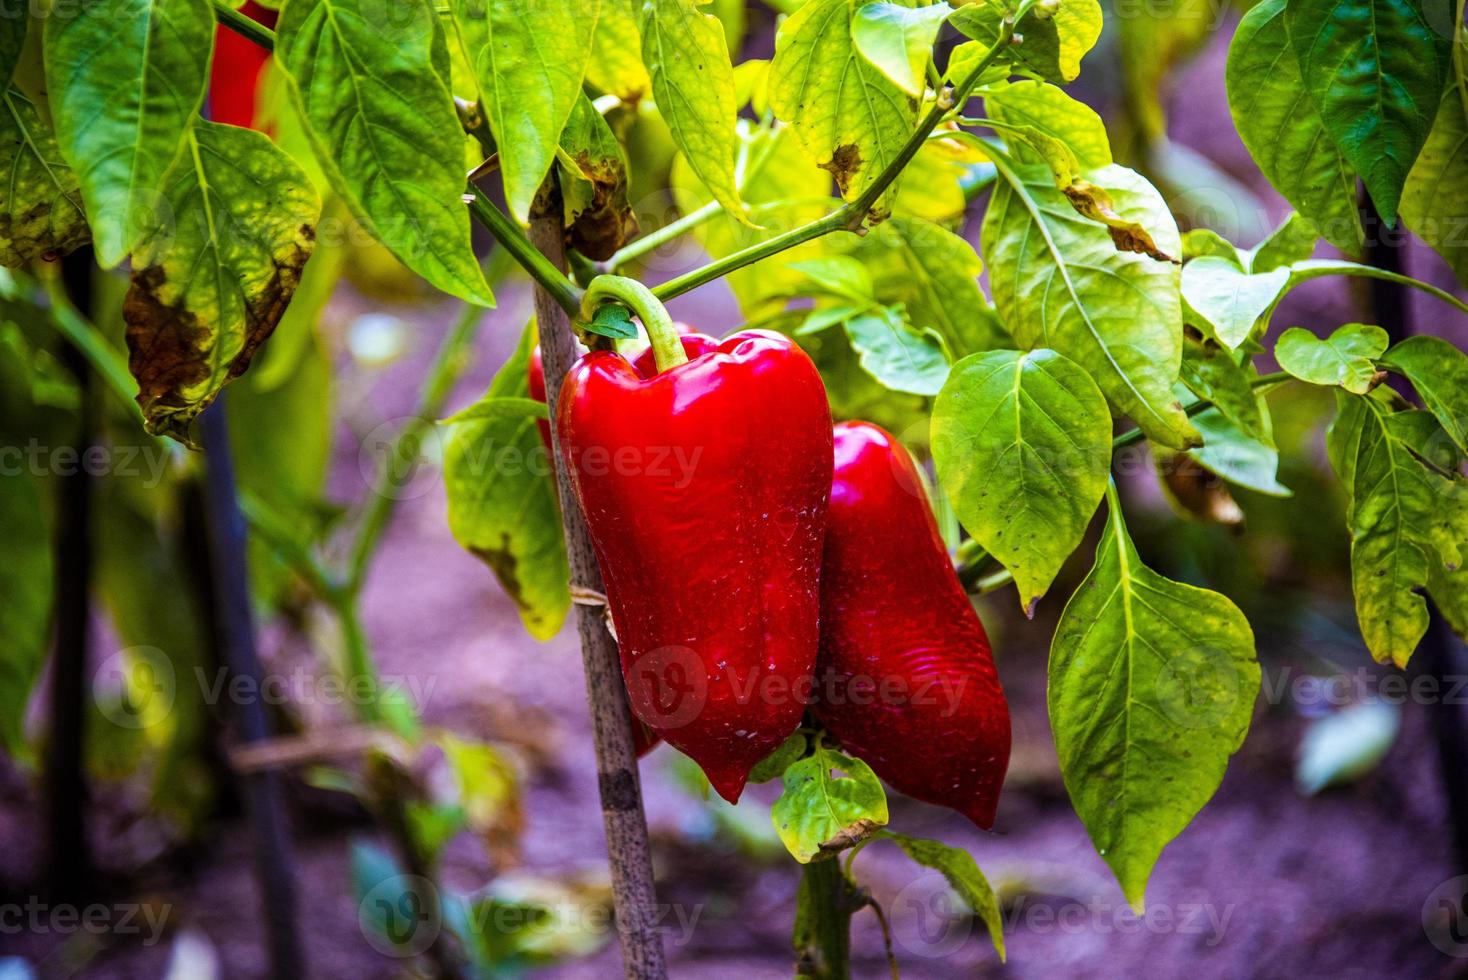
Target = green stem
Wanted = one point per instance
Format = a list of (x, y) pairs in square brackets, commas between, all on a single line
[(243, 25), (663, 235), (823, 946), (448, 365), (513, 240), (667, 346), (358, 657), (85, 338), (849, 216)]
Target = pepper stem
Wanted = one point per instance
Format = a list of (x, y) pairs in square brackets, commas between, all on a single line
[(667, 346)]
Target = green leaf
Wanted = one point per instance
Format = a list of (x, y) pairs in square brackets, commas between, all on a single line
[(41, 214), (1049, 110), (773, 766), (1198, 242), (1152, 683), (1238, 456), (1023, 444), (502, 499), (1227, 303), (615, 66), (828, 802), (505, 407), (839, 275), (25, 615), (126, 81), (1346, 358), (376, 100), (1439, 373), (1215, 375), (612, 320), (1433, 203), (1283, 130), (900, 358), (209, 286), (529, 57), (1153, 38), (1408, 523), (594, 184), (851, 120), (782, 191), (1293, 241), (693, 83), (935, 274), (1375, 70), (1051, 49), (963, 876), (898, 40), (1059, 282)]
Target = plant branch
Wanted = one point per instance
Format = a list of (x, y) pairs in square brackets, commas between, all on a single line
[(243, 25), (849, 216), (561, 289)]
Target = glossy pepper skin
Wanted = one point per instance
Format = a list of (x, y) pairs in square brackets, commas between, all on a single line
[(235, 71), (905, 679), (644, 739), (705, 490)]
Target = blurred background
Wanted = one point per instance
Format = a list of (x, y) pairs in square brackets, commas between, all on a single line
[(1329, 849)]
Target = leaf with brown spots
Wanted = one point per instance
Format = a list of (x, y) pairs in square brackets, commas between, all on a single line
[(41, 214), (1093, 202), (594, 185), (216, 270), (851, 119)]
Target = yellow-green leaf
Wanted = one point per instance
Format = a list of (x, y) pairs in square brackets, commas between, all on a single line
[(41, 214)]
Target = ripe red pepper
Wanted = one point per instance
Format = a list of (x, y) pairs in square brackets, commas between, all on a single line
[(905, 679), (705, 489), (644, 739), (235, 72)]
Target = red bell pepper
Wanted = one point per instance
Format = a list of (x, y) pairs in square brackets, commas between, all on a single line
[(235, 72), (905, 679), (705, 489)]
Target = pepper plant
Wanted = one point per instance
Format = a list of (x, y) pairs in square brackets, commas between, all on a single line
[(827, 186)]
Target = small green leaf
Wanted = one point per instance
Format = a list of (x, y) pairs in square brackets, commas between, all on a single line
[(773, 766), (502, 500), (693, 83), (612, 320), (379, 111), (1152, 684), (1293, 241), (1227, 303), (1238, 456), (1375, 70), (1347, 358), (1198, 242), (1059, 282), (1023, 443), (839, 275), (1215, 375), (1439, 373), (501, 407), (126, 81), (1049, 49), (851, 120), (963, 876), (829, 801), (1408, 523), (41, 214), (898, 40), (209, 285), (1283, 130), (1049, 110), (897, 356)]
